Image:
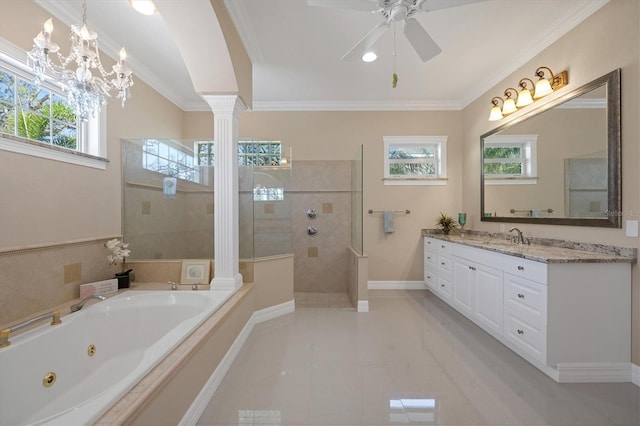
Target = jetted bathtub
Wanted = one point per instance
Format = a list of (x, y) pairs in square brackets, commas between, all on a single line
[(96, 354)]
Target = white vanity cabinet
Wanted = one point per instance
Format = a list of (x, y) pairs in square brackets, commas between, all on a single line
[(569, 319)]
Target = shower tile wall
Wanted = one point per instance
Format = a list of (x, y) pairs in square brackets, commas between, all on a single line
[(321, 261)]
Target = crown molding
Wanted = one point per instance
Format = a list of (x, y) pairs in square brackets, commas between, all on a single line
[(355, 106), (240, 17), (571, 19)]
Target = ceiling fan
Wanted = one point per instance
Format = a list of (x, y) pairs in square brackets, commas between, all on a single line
[(393, 11)]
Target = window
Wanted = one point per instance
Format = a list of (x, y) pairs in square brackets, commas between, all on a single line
[(415, 160), (510, 159), (250, 153), (42, 114), (171, 159)]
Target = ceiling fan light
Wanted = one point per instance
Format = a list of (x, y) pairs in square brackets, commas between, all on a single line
[(369, 57), (146, 7)]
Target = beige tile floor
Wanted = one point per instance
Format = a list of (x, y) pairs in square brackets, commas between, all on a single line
[(410, 360), (323, 301)]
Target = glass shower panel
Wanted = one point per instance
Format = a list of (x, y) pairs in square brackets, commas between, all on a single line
[(167, 200), (356, 202)]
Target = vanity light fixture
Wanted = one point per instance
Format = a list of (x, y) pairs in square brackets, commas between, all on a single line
[(524, 96), (546, 86), (496, 111), (509, 105)]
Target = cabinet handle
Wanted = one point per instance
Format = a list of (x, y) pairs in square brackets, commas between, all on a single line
[(520, 295), (429, 277), (473, 268), (442, 246), (442, 263), (428, 257), (442, 285), (520, 268), (428, 242), (520, 331)]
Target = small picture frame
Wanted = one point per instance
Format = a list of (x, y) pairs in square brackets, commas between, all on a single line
[(195, 271)]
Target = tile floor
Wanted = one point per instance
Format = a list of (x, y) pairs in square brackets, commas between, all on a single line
[(323, 301), (410, 360)]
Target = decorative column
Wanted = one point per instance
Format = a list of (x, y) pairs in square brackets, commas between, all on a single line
[(226, 113)]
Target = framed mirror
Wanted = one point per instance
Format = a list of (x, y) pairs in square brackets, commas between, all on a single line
[(558, 164)]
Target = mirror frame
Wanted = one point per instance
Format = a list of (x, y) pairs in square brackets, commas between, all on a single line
[(614, 142)]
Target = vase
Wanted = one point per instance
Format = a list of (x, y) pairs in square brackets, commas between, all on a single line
[(123, 279), (446, 231)]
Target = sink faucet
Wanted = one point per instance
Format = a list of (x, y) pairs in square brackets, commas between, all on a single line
[(77, 306), (519, 238)]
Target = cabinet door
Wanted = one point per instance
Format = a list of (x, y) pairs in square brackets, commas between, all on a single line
[(488, 298), (463, 286)]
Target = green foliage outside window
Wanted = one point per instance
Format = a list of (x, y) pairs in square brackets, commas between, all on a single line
[(503, 166), (35, 113), (419, 161)]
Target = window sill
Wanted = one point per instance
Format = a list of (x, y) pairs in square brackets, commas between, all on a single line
[(33, 148), (511, 181), (415, 181)]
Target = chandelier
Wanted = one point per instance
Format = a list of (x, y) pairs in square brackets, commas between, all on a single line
[(86, 92)]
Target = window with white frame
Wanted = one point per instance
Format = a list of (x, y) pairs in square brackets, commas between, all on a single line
[(510, 159), (415, 160), (42, 113), (171, 159)]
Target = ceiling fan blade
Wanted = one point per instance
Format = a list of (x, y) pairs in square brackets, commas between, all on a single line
[(366, 42), (363, 5), (430, 5), (421, 41)]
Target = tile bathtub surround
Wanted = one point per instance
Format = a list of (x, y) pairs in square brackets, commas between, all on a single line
[(33, 280), (410, 360)]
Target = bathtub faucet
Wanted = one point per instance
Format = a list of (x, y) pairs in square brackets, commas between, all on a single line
[(4, 334), (77, 306)]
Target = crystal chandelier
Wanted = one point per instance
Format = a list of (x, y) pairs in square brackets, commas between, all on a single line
[(86, 92)]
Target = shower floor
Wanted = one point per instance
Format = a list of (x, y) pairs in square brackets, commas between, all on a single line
[(338, 301)]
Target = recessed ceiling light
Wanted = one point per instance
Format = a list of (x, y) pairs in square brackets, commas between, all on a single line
[(369, 57), (146, 7)]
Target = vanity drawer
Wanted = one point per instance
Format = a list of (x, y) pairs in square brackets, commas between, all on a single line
[(524, 268), (430, 244), (445, 265), (444, 288), (527, 298), (430, 260), (430, 277), (529, 338)]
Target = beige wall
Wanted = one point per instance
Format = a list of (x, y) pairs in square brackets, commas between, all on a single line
[(607, 40), (337, 136), (51, 203)]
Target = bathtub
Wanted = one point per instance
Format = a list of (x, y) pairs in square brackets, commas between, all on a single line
[(131, 333)]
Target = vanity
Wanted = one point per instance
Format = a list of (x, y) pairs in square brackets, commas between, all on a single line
[(565, 310)]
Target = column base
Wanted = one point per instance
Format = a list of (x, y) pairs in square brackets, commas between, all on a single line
[(227, 283)]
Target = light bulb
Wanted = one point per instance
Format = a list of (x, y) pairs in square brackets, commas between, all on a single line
[(146, 7), (123, 54), (543, 88), (524, 98), (509, 106), (496, 114), (48, 26)]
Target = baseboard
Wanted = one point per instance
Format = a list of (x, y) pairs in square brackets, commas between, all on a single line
[(594, 372), (635, 374), (201, 401), (363, 306), (396, 285)]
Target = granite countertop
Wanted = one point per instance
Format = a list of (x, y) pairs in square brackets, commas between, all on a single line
[(541, 249)]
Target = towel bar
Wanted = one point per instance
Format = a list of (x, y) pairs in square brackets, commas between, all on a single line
[(407, 211)]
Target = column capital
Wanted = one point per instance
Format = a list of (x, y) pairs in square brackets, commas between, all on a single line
[(230, 104)]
